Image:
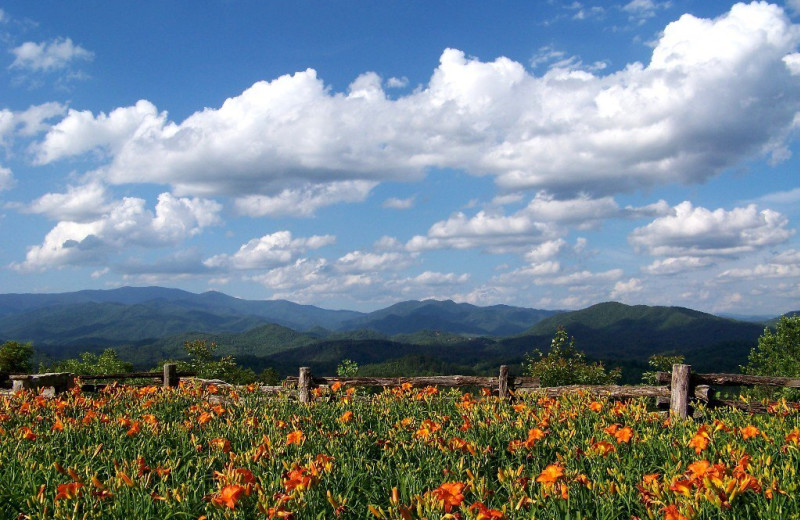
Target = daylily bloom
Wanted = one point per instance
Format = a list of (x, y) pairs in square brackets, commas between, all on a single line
[(550, 474), (450, 493), (68, 491), (295, 437), (228, 496)]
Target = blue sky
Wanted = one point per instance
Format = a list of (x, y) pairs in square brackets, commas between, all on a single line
[(356, 154)]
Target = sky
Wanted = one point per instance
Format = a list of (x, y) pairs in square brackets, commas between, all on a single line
[(355, 154)]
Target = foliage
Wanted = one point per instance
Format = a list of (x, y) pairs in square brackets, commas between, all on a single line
[(15, 358), (90, 363), (347, 368), (204, 363), (778, 353), (269, 376), (565, 365), (661, 363), (230, 453)]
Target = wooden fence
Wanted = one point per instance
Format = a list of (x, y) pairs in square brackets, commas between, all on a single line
[(677, 388), (62, 381)]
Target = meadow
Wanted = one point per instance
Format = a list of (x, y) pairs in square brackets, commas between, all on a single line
[(208, 452)]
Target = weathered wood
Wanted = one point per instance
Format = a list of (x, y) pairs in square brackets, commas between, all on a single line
[(133, 375), (304, 385), (679, 393), (170, 375), (735, 380), (614, 391), (502, 382), (484, 381)]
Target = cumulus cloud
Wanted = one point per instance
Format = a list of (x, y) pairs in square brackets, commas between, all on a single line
[(624, 289), (678, 118), (543, 220), (57, 54), (397, 203), (269, 251), (6, 178), (126, 223), (77, 204), (698, 232), (365, 262), (678, 264), (303, 201), (783, 265)]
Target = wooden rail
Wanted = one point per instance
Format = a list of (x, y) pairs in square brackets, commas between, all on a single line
[(677, 388), (683, 382), (503, 382), (62, 381)]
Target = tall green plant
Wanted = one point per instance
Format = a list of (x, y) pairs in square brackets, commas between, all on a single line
[(566, 365), (778, 353)]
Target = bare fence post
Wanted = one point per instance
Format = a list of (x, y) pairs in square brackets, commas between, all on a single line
[(679, 397), (170, 375), (304, 385), (502, 382)]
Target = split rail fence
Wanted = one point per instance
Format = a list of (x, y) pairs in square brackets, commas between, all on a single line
[(56, 382), (677, 389)]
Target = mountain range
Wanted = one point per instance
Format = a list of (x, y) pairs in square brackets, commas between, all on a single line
[(147, 324)]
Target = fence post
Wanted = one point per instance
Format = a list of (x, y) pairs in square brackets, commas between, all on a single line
[(502, 382), (170, 375), (679, 397), (304, 385)]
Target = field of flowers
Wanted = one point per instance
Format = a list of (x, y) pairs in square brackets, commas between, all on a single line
[(209, 453)]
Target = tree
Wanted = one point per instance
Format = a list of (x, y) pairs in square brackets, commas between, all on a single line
[(565, 365), (347, 368), (206, 365), (15, 357), (661, 363), (778, 353), (91, 364)]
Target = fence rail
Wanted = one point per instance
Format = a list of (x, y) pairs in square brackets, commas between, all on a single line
[(677, 388), (62, 381)]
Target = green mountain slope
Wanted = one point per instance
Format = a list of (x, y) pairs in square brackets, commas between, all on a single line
[(447, 316)]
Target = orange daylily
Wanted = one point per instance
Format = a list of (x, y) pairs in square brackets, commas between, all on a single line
[(346, 417), (700, 440), (228, 496), (295, 437), (749, 431), (671, 513), (551, 474), (624, 434), (451, 494), (68, 491), (484, 513)]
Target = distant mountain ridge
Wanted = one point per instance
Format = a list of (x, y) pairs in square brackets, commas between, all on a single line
[(145, 325), (131, 314)]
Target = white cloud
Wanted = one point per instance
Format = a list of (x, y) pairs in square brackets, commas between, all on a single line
[(544, 219), (701, 232), (303, 201), (763, 271), (582, 278), (678, 264), (126, 223), (364, 262), (679, 118), (396, 203), (269, 251), (78, 204), (81, 131), (643, 9), (6, 178), (56, 54), (624, 289)]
